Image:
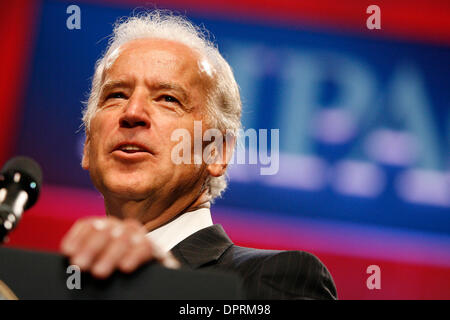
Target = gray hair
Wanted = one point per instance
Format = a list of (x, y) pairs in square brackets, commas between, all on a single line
[(223, 109)]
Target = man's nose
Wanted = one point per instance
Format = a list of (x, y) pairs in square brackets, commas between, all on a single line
[(135, 113)]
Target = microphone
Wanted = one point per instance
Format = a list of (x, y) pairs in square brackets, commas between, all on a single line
[(20, 183)]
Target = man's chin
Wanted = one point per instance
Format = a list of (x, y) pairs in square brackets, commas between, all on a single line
[(129, 193), (127, 188)]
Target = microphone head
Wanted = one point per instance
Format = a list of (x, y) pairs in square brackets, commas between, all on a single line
[(30, 178)]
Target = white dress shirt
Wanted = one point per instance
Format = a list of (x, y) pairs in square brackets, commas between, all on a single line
[(172, 233)]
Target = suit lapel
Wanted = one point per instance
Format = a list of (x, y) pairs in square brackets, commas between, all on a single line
[(204, 246)]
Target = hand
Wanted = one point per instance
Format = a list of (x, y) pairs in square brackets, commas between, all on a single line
[(102, 245)]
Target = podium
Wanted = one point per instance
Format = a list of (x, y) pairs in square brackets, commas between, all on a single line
[(41, 275)]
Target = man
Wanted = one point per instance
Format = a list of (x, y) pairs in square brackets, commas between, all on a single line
[(158, 76)]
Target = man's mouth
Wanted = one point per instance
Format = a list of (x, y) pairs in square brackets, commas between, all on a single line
[(131, 151), (131, 148)]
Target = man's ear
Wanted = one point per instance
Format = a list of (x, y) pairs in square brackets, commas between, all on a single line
[(85, 159), (218, 166)]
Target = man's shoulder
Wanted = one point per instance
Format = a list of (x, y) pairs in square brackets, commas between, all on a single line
[(267, 274), (266, 259), (244, 253), (280, 274)]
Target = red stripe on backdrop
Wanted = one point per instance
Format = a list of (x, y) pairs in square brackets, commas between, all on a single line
[(17, 22), (398, 280), (425, 21), (43, 226)]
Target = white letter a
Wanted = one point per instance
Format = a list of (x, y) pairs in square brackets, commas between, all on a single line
[(373, 21), (374, 281), (74, 20)]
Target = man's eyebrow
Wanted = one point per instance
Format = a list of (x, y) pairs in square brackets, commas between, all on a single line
[(172, 86), (112, 84)]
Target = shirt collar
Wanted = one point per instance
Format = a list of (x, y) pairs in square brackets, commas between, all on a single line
[(172, 233)]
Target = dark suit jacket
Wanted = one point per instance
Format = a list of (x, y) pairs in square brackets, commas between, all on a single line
[(266, 274)]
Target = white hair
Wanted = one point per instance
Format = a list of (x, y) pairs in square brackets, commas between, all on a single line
[(223, 101)]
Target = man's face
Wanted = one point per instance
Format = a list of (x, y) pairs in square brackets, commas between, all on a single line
[(153, 87)]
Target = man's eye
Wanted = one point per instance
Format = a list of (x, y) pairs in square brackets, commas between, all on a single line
[(168, 98), (116, 95)]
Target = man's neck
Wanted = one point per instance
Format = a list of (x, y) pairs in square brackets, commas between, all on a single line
[(180, 228), (153, 214)]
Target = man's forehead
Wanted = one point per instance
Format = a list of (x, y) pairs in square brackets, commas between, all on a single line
[(165, 53), (154, 51)]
